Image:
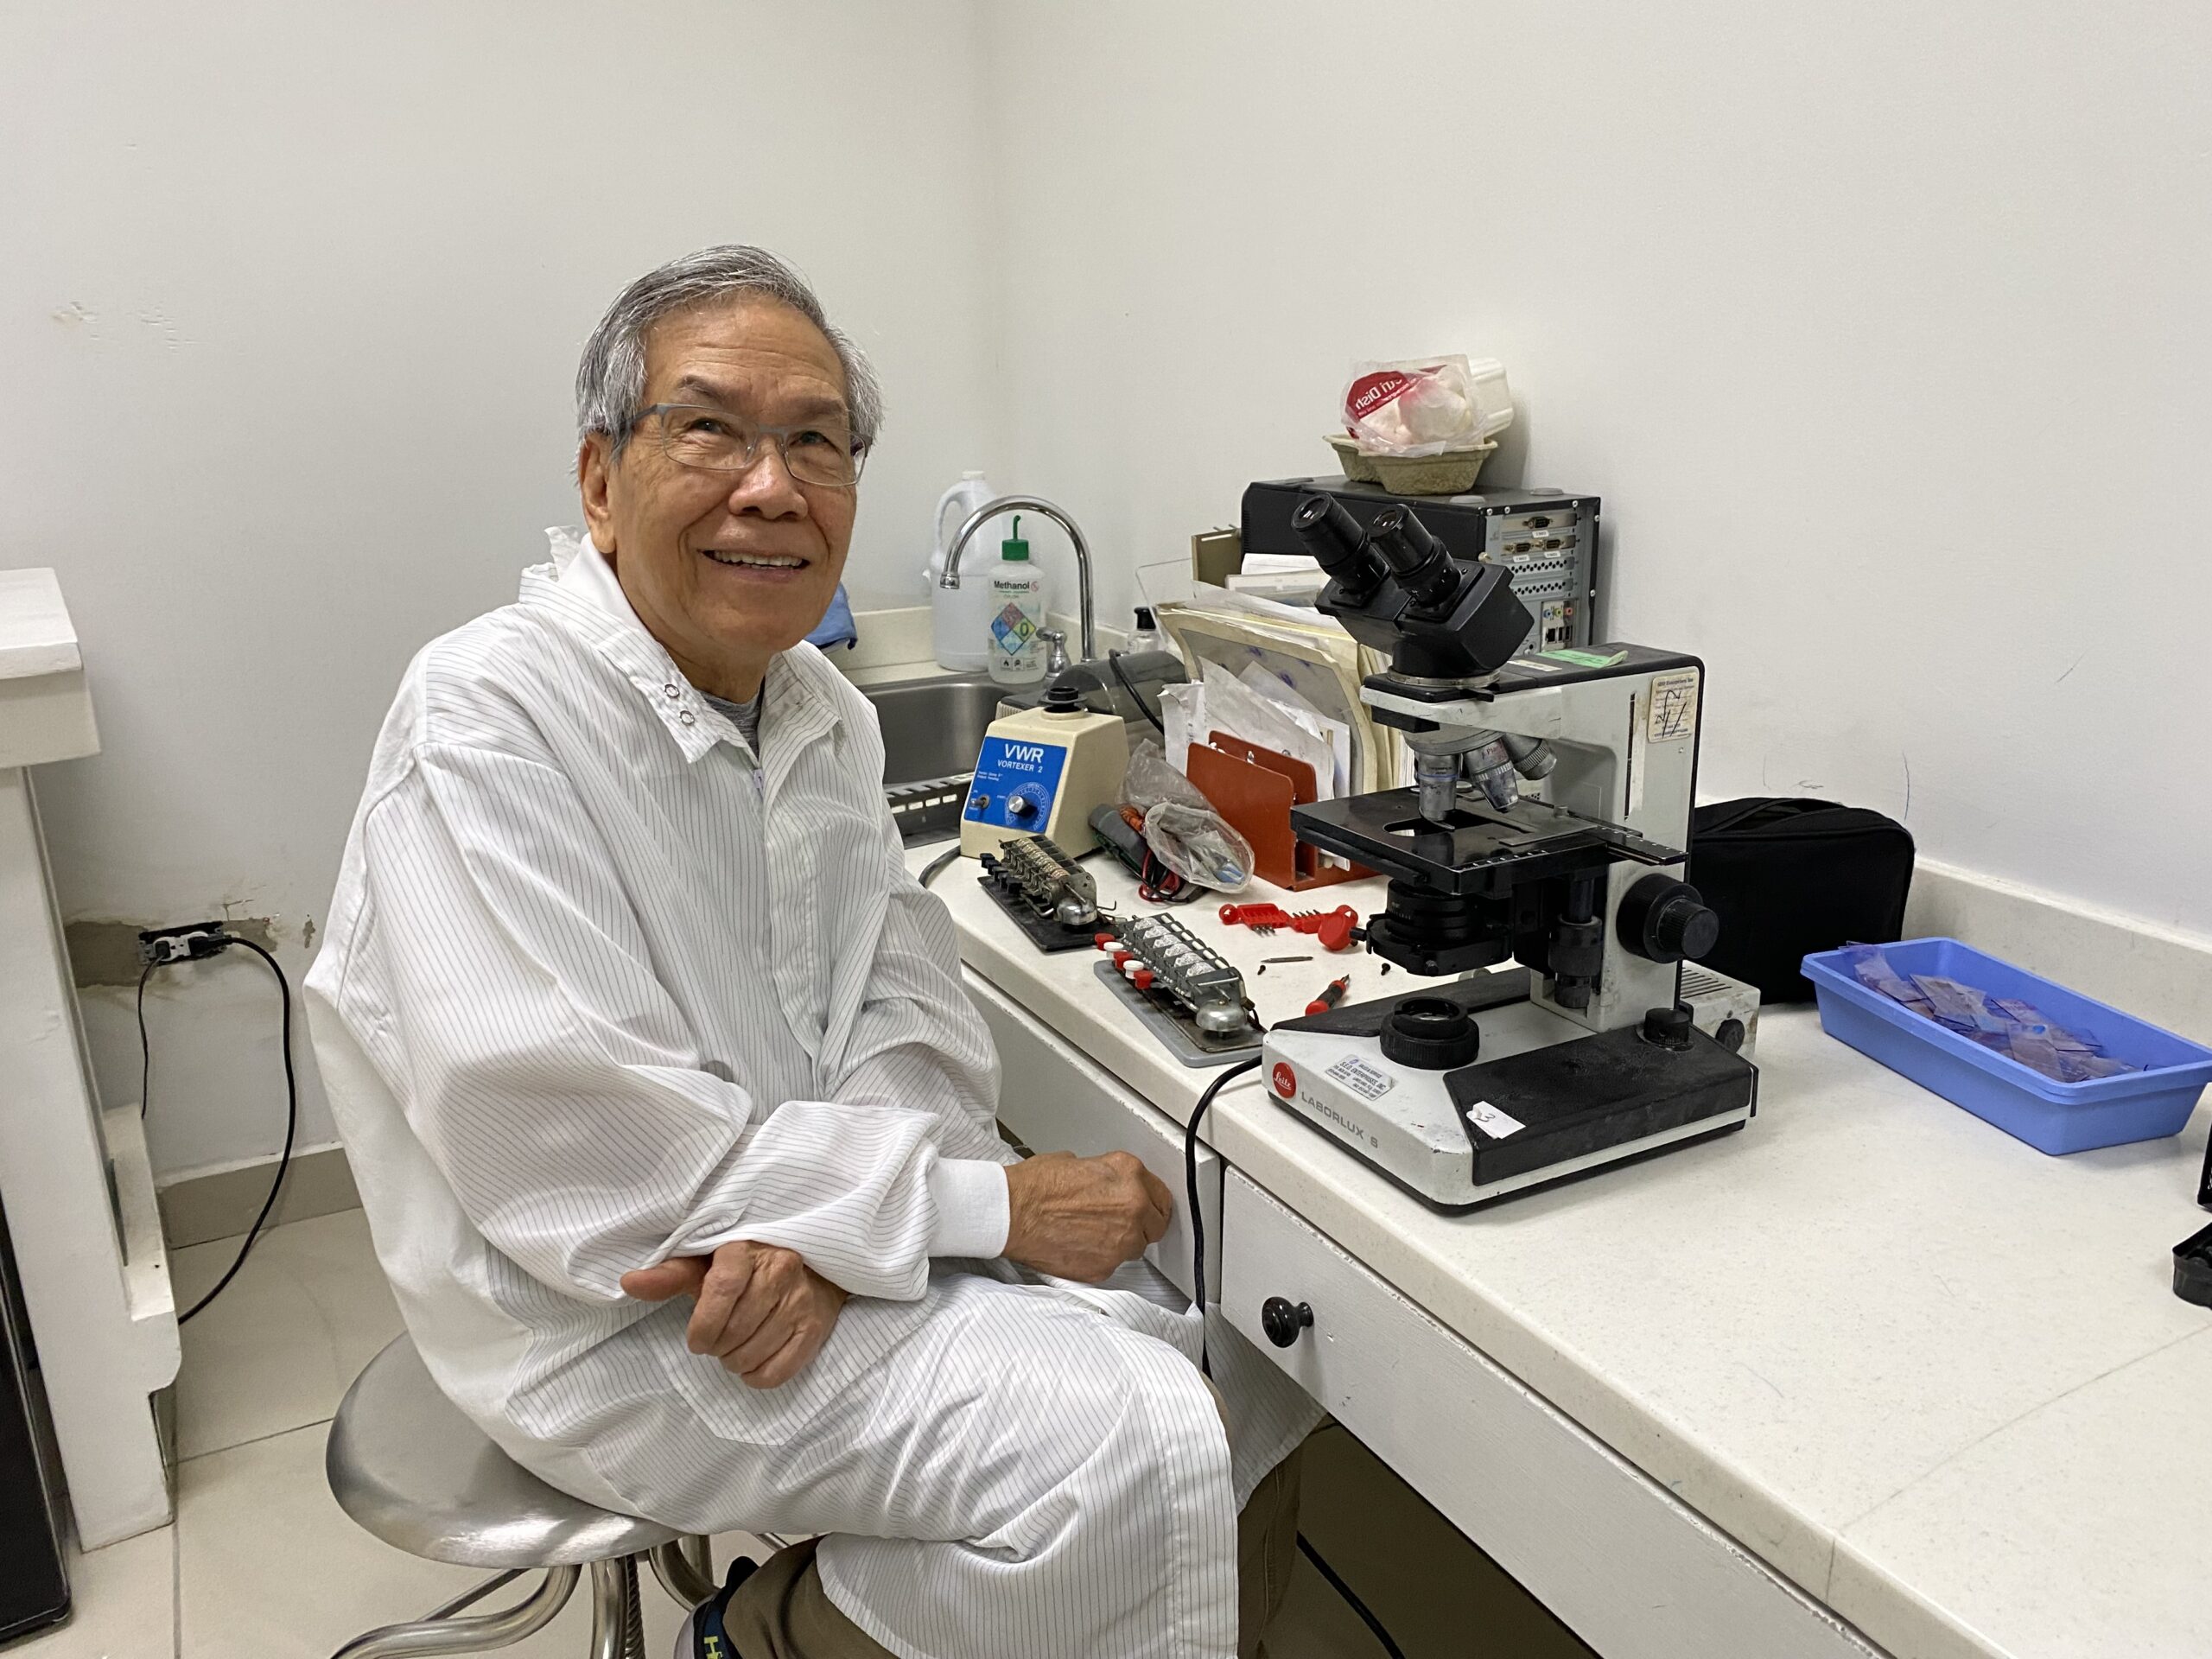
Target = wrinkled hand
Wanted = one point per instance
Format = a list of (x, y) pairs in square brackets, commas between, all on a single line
[(760, 1310), (1082, 1217)]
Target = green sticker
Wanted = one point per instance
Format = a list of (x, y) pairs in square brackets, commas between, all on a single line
[(1586, 658)]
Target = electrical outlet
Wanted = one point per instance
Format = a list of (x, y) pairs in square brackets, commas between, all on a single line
[(191, 941)]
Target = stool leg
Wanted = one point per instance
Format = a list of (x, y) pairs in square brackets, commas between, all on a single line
[(439, 1634), (618, 1623), (699, 1550), (680, 1575), (633, 1632)]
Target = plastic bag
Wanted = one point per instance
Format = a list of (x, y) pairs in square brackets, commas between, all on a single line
[(1425, 405), (1180, 825)]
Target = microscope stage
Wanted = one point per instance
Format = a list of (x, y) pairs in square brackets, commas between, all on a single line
[(1529, 839)]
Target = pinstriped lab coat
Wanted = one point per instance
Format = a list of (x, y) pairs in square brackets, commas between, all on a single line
[(598, 989)]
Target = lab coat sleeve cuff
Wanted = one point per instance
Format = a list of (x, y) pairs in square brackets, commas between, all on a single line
[(969, 1196)]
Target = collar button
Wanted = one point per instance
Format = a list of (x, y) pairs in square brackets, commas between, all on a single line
[(686, 716), (671, 689)]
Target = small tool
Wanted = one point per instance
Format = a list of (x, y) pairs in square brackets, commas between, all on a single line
[(1268, 962), (1331, 996), (1336, 930)]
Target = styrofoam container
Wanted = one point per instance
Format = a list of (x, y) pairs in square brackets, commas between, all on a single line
[(2053, 1117)]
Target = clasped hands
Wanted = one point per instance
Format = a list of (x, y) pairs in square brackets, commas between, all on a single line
[(761, 1311)]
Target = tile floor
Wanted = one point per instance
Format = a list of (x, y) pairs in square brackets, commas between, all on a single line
[(261, 1563)]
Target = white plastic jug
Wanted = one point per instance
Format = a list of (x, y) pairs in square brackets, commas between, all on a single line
[(960, 621)]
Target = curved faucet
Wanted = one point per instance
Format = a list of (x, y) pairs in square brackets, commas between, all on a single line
[(990, 510)]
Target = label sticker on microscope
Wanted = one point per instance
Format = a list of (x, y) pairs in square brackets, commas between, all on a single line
[(1491, 1122), (1674, 706), (1367, 1081)]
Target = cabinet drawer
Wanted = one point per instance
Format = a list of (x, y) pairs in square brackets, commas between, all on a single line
[(1630, 1568), (1057, 1099)]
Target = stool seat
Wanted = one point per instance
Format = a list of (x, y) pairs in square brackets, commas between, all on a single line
[(406, 1464)]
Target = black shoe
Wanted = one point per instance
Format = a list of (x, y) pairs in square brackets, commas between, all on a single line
[(702, 1636)]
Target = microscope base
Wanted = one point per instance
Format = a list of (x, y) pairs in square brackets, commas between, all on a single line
[(1547, 1102)]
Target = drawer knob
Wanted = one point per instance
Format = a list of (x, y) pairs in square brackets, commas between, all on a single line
[(1283, 1319)]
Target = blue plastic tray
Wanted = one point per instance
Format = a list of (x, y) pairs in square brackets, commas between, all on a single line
[(2053, 1117)]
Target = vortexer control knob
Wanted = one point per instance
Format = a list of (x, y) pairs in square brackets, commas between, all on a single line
[(1283, 1319), (1665, 921)]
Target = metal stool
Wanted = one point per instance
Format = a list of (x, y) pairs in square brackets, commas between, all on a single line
[(405, 1464)]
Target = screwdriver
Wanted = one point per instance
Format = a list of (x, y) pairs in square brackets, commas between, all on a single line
[(1331, 997)]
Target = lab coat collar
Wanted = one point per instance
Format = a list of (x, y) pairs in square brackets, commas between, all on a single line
[(578, 588)]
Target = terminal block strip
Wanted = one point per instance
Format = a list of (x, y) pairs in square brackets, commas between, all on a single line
[(1053, 885), (1159, 954)]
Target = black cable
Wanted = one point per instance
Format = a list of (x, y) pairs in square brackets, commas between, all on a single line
[(145, 1049), (1352, 1600), (1114, 662), (1198, 1282), (935, 868), (291, 1111), (1190, 1191)]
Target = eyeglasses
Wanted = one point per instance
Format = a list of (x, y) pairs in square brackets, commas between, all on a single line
[(710, 440)]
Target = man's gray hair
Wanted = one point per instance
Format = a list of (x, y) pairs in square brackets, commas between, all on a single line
[(611, 379)]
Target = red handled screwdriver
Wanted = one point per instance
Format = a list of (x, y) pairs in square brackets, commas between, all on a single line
[(1331, 997)]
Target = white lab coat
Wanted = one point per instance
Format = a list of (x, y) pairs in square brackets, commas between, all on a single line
[(600, 988)]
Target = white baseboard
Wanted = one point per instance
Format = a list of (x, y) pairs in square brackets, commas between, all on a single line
[(2157, 974)]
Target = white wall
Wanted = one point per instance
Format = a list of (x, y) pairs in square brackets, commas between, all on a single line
[(1881, 329), (291, 299)]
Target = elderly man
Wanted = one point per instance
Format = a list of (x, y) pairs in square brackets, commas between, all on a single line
[(674, 1127)]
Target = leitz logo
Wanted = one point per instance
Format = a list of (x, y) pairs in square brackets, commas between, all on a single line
[(1285, 1079)]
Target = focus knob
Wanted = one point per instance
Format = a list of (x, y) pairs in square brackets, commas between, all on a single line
[(1283, 1319), (1665, 921), (1668, 1028)]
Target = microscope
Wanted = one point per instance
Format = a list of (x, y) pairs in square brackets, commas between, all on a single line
[(1548, 822)]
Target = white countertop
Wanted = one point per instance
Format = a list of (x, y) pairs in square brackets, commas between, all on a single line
[(46, 712), (1935, 1377), (36, 636)]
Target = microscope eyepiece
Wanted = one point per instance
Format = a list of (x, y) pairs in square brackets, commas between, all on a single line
[(1334, 538), (1419, 562)]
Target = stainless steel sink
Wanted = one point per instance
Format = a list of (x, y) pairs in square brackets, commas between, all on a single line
[(932, 731)]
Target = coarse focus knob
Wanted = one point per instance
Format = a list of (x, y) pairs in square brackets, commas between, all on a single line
[(1665, 921), (1283, 1319), (1668, 1028)]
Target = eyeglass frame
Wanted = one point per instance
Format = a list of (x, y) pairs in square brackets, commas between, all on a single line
[(757, 435)]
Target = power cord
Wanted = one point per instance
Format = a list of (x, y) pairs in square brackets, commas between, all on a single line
[(1306, 1547), (1198, 1283), (161, 947), (1114, 662), (1190, 1192)]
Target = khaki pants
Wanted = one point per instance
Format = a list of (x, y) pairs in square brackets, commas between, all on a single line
[(781, 1612)]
